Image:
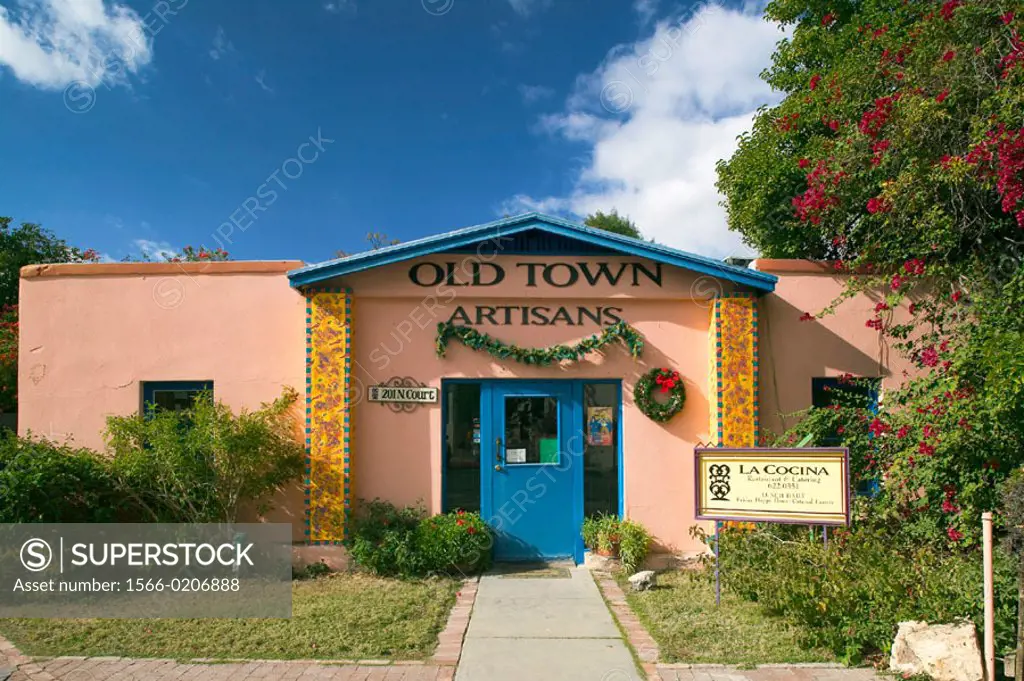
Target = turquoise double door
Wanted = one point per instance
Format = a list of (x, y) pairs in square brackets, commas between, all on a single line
[(531, 460)]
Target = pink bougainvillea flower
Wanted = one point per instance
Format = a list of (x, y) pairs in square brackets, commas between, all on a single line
[(903, 432), (896, 282), (877, 204), (815, 79), (941, 97), (929, 356), (828, 19), (803, 163), (875, 324), (950, 55), (1007, 18), (956, 296), (925, 449), (948, 8), (954, 534)]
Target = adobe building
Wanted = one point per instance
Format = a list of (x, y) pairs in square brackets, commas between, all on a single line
[(431, 376)]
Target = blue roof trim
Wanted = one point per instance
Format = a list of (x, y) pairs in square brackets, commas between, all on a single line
[(312, 274)]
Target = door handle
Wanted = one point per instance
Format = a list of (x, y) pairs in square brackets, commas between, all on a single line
[(498, 454)]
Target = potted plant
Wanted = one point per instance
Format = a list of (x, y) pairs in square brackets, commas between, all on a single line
[(607, 535)]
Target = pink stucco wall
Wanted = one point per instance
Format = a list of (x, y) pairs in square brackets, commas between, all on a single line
[(91, 335), (793, 351), (89, 340)]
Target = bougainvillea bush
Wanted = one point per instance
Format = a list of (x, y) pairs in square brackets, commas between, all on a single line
[(896, 154)]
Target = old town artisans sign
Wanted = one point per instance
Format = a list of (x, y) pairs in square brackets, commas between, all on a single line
[(447, 277), (808, 485)]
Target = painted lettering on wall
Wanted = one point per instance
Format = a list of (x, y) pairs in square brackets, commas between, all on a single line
[(527, 315), (557, 275)]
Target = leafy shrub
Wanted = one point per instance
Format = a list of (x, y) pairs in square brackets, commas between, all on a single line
[(312, 571), (608, 535), (634, 542), (392, 541), (203, 464), (41, 482), (851, 595)]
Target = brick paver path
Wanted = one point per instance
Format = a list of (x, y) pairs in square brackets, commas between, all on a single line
[(123, 669)]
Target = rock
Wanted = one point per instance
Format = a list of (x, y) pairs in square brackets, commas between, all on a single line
[(643, 580), (945, 652)]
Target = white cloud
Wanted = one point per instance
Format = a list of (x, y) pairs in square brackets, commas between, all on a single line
[(155, 250), (340, 6), (52, 43), (525, 8), (221, 45), (645, 10), (657, 115), (261, 80), (534, 93)]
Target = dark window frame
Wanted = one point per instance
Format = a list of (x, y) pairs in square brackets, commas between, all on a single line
[(150, 388)]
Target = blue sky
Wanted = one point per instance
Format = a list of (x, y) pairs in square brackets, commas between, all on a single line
[(291, 129)]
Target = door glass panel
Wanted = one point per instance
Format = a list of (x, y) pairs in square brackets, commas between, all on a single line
[(531, 430), (462, 447), (601, 449)]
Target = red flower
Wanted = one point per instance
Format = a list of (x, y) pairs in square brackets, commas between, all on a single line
[(949, 56), (948, 506), (471, 529), (941, 97), (806, 317), (896, 282), (840, 430), (815, 79), (828, 19), (881, 307), (833, 125), (803, 163), (902, 432), (954, 534), (879, 427), (877, 204), (929, 357), (956, 296), (947, 9), (925, 448), (914, 266), (874, 324), (1007, 18), (460, 522)]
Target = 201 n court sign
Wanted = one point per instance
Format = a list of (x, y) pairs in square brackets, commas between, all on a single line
[(808, 486)]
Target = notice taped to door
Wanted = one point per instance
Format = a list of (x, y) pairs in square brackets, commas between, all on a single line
[(808, 486)]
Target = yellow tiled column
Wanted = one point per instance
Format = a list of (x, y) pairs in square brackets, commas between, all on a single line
[(734, 371), (328, 414)]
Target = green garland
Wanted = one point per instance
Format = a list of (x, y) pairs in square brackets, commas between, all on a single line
[(471, 338), (667, 381)]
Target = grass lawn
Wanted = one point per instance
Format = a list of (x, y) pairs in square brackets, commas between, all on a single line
[(344, 616), (680, 614)]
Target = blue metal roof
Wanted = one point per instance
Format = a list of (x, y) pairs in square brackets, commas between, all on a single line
[(507, 227)]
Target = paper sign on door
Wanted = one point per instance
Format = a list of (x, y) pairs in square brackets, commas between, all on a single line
[(515, 456)]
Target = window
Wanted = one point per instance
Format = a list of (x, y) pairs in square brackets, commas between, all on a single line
[(600, 448), (858, 392), (462, 446), (849, 392), (172, 395), (531, 430)]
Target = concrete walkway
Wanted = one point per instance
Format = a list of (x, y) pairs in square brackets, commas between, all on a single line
[(540, 628)]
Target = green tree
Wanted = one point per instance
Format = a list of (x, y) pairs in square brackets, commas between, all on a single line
[(613, 222)]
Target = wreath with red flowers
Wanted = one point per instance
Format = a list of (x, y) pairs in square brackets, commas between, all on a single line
[(666, 382)]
